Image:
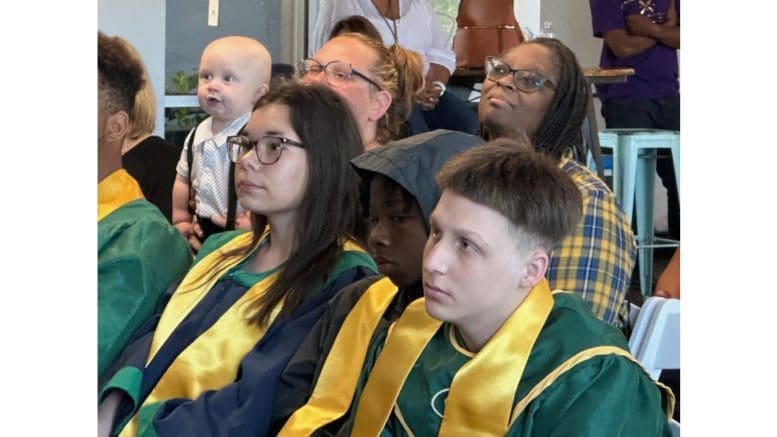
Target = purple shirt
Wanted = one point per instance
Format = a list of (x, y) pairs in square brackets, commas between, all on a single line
[(656, 69)]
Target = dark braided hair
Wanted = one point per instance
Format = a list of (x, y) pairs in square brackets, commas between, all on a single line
[(561, 126)]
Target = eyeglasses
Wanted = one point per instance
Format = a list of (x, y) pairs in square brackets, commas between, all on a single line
[(337, 72), (528, 81), (268, 148)]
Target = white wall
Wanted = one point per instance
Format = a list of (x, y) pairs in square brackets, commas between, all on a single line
[(527, 12), (142, 23), (571, 21), (572, 24)]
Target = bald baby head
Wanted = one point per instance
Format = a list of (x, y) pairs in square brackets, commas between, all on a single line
[(246, 52), (234, 73)]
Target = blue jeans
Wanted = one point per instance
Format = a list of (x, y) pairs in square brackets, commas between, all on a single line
[(451, 113)]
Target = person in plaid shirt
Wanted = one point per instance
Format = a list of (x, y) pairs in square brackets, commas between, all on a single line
[(538, 88)]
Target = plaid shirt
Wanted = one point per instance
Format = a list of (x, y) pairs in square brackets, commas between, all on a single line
[(596, 261)]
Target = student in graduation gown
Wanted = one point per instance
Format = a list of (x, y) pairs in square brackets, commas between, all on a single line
[(490, 349), (214, 354), (398, 192), (139, 254)]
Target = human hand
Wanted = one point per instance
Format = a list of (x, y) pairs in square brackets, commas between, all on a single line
[(243, 220), (195, 237), (429, 98), (185, 228), (640, 25)]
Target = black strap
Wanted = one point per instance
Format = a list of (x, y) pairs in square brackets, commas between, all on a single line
[(232, 199), (231, 194), (190, 160)]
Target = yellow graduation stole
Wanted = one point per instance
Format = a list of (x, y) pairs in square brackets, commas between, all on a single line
[(481, 395), (336, 384), (211, 361), (116, 190)]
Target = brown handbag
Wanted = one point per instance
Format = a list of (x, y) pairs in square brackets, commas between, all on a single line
[(484, 28)]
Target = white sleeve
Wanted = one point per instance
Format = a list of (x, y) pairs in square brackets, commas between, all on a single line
[(440, 52), (329, 13)]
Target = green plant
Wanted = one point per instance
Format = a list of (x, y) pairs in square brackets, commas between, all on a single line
[(185, 83)]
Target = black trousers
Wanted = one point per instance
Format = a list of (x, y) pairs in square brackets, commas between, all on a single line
[(661, 113), (208, 227)]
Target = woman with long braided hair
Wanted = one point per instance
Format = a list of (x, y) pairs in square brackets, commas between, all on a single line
[(537, 88)]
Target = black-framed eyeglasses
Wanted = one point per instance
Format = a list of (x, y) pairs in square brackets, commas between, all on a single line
[(528, 81), (337, 72), (268, 148)]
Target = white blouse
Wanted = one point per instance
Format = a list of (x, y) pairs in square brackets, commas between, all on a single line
[(417, 28)]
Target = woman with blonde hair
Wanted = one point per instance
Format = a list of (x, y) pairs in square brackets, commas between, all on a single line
[(413, 25), (379, 83)]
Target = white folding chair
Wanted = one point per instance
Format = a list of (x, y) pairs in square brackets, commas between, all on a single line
[(640, 318), (675, 427), (655, 340)]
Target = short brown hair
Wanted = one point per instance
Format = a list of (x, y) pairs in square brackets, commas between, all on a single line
[(528, 188)]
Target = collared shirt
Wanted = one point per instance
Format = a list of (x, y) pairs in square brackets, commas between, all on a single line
[(597, 260), (210, 167)]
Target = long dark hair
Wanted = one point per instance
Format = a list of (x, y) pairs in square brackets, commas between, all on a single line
[(561, 126), (328, 210)]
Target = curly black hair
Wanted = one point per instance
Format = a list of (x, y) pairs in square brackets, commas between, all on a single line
[(120, 75)]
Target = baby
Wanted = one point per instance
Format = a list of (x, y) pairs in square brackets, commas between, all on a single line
[(234, 73)]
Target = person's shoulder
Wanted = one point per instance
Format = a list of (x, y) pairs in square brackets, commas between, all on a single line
[(136, 213), (571, 340), (157, 152), (346, 298), (353, 255), (572, 324), (586, 180), (141, 226)]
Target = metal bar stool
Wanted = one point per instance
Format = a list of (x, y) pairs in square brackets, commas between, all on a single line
[(633, 173)]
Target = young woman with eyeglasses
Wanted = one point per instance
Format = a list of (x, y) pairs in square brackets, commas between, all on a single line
[(210, 362), (379, 83), (538, 87)]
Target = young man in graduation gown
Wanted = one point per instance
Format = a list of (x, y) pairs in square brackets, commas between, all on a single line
[(490, 349), (398, 192), (139, 254)]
